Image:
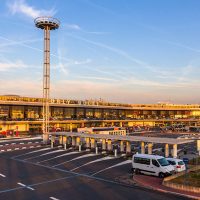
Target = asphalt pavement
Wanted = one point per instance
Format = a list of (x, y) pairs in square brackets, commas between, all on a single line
[(58, 174)]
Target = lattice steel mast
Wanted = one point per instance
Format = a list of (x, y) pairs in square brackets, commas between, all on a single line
[(47, 24)]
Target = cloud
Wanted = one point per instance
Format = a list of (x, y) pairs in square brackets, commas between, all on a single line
[(112, 92), (119, 52), (21, 7), (6, 66), (76, 27), (73, 27), (24, 87), (12, 43)]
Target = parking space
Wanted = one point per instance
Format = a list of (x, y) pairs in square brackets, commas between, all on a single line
[(46, 173)]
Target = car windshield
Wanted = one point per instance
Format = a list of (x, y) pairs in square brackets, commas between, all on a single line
[(181, 163), (171, 162), (163, 162)]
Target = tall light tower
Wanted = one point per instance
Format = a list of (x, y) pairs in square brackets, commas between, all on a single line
[(47, 24)]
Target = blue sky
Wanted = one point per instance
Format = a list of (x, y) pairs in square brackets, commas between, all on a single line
[(131, 51)]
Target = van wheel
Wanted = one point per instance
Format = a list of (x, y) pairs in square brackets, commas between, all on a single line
[(161, 175), (137, 171), (132, 170)]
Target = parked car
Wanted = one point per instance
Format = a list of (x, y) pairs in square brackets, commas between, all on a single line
[(151, 165), (178, 164)]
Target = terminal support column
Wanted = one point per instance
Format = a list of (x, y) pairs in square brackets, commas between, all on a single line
[(166, 150), (103, 144), (109, 145), (65, 141), (150, 145), (142, 148), (198, 146), (174, 150), (52, 140), (128, 147), (93, 143), (121, 146), (73, 141), (60, 139), (87, 142), (78, 141)]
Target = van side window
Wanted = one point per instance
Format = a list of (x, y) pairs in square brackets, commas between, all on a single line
[(155, 163), (145, 161)]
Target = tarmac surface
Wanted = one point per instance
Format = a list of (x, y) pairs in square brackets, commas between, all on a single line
[(58, 174)]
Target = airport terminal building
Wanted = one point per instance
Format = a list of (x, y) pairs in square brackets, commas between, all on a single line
[(25, 114)]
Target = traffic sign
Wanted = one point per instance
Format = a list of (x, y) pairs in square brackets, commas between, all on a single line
[(186, 160)]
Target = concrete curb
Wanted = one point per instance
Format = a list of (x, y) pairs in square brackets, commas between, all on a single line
[(167, 191)]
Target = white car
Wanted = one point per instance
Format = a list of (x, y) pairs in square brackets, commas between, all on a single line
[(178, 164)]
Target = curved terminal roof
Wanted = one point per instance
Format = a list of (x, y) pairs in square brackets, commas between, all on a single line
[(157, 140)]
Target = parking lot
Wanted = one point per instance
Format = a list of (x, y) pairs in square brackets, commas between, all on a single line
[(45, 173)]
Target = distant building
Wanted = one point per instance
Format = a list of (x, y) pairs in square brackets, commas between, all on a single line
[(25, 113)]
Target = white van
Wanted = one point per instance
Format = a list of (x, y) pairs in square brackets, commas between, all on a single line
[(151, 165)]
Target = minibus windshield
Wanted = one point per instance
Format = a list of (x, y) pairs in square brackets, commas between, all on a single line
[(163, 162)]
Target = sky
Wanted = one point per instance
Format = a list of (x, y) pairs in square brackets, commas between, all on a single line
[(126, 51)]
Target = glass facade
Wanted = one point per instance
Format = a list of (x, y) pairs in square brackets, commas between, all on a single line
[(32, 112), (57, 113), (69, 113), (4, 112), (17, 112), (63, 113)]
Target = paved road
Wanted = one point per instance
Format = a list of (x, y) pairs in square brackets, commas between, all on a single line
[(45, 173)]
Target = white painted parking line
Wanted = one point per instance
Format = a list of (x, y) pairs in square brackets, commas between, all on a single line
[(13, 143), (38, 146), (2, 150), (6, 144), (2, 175), (31, 146), (21, 139), (21, 143), (21, 184), (36, 142), (53, 198), (23, 147), (119, 164), (44, 154), (45, 149), (29, 142), (79, 157), (9, 149), (16, 148), (94, 161), (28, 187), (65, 154)]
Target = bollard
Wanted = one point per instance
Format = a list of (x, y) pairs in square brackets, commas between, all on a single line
[(96, 150), (79, 148), (65, 146), (115, 152)]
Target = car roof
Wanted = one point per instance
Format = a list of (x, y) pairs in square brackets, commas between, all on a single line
[(174, 159), (148, 156)]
